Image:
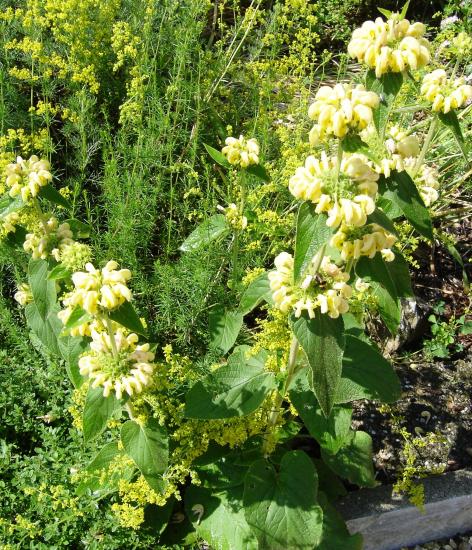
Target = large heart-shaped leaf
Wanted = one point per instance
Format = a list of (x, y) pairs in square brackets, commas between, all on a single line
[(98, 410), (281, 506), (207, 232)]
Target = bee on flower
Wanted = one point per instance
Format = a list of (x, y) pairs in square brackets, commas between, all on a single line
[(97, 291), (324, 287), (340, 109), (395, 45), (241, 152), (445, 94), (119, 367), (26, 177), (48, 239)]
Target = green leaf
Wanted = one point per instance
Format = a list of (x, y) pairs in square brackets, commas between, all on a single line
[(387, 87), (51, 194), (70, 349), (312, 234), (9, 205), (451, 121), (259, 171), (235, 389), (207, 232), (389, 308), (258, 291), (148, 446), (385, 12), (400, 275), (97, 412), (354, 461), (104, 457), (405, 194), (404, 10), (322, 340), (221, 473), (217, 156), (126, 316), (224, 329), (366, 374), (80, 229), (332, 432), (380, 218), (58, 273), (218, 518), (282, 507), (43, 290), (47, 328), (328, 482), (335, 534), (352, 143), (375, 270), (78, 317)]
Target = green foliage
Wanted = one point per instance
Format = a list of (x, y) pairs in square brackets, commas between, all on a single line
[(445, 333)]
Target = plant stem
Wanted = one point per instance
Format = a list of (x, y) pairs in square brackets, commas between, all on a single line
[(237, 232), (339, 160), (40, 213), (112, 336), (426, 144), (292, 361)]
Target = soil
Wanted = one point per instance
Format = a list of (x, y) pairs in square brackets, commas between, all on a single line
[(437, 394)]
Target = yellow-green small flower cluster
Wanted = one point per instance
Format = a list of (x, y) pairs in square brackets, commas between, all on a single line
[(365, 241), (324, 287), (97, 291), (23, 295), (75, 255), (462, 44), (236, 220), (48, 240), (26, 177), (395, 45), (128, 370), (445, 94), (356, 183), (241, 152), (340, 109)]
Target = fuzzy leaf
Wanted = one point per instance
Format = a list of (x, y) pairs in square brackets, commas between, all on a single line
[(51, 194), (312, 234), (322, 340), (58, 273), (366, 374), (335, 534), (221, 523), (104, 457), (148, 446), (207, 232), (97, 412), (126, 316), (259, 171), (235, 389), (9, 205), (217, 156), (406, 195), (380, 218), (224, 329), (387, 87), (281, 506), (258, 291), (354, 461)]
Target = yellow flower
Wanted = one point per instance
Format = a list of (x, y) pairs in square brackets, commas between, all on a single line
[(326, 289), (23, 296), (97, 291), (241, 152), (130, 370), (48, 239), (319, 182), (427, 181), (233, 217), (341, 109), (26, 177), (354, 243), (394, 45), (445, 93)]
